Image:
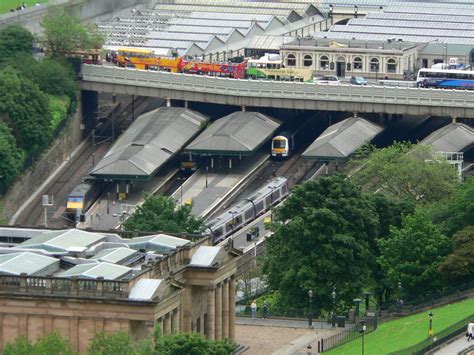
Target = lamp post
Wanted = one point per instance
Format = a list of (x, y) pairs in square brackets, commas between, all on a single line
[(207, 169), (333, 295), (357, 302), (430, 330), (363, 328), (367, 295), (310, 313)]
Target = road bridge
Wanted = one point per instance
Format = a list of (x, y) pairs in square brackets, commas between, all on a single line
[(279, 94)]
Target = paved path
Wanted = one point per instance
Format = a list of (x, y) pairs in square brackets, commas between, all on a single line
[(460, 345)]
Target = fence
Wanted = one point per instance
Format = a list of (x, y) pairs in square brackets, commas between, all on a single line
[(438, 339), (347, 335)]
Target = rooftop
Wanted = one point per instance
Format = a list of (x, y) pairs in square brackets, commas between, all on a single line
[(28, 263), (149, 142), (159, 242), (238, 133), (342, 139), (454, 137), (108, 271)]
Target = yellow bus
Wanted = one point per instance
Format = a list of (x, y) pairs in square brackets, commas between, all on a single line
[(146, 59), (271, 67)]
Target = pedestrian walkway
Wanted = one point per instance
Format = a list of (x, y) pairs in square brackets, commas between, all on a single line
[(458, 346), (286, 323)]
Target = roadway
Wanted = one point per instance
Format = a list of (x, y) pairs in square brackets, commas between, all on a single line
[(279, 94)]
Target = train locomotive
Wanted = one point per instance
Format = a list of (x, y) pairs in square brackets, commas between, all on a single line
[(82, 197), (248, 209), (283, 144)]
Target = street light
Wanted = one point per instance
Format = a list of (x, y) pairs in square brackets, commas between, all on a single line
[(310, 314), (207, 169), (333, 320), (367, 295), (430, 331), (363, 328)]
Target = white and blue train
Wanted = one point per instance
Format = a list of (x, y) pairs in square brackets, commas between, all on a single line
[(248, 210), (445, 79)]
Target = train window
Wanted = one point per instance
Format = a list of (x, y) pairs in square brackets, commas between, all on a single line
[(284, 189), (279, 143), (238, 220), (217, 232), (275, 195), (259, 206), (268, 200), (249, 214)]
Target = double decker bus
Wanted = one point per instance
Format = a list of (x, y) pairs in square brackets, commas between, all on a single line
[(146, 59), (271, 67), (228, 70)]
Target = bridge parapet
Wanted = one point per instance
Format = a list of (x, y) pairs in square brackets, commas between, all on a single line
[(263, 93)]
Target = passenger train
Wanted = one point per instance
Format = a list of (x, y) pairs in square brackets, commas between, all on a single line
[(82, 197), (247, 210), (445, 79)]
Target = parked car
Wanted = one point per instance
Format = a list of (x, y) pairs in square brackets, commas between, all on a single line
[(358, 80), (328, 79)]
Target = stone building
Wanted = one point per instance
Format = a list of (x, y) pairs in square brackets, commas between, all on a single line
[(346, 58), (189, 288)]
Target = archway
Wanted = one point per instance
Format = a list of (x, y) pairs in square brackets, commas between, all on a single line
[(341, 66)]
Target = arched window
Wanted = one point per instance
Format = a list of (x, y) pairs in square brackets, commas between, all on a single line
[(307, 60), (357, 63), (374, 65), (391, 66), (324, 62), (291, 60)]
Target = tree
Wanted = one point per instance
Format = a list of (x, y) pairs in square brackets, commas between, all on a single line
[(413, 253), (191, 343), (404, 170), (458, 212), (27, 111), (119, 343), (160, 213), (65, 34), (11, 158), (458, 267), (321, 241), (15, 39), (53, 343)]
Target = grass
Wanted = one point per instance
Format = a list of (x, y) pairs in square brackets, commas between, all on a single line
[(7, 5), (407, 331)]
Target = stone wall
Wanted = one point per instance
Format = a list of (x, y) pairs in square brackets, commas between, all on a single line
[(59, 151)]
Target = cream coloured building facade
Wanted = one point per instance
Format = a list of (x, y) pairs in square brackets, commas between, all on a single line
[(191, 289)]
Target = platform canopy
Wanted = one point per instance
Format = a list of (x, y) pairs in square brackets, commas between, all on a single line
[(148, 143), (342, 139), (240, 133), (454, 137)]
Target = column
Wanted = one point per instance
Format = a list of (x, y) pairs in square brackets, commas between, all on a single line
[(211, 294), (186, 310), (167, 324), (175, 321), (225, 309), (219, 311), (232, 309)]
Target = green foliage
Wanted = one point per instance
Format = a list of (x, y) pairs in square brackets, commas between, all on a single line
[(54, 343), (160, 213), (325, 244), (404, 170), (458, 267), (413, 254), (14, 40), (65, 34), (458, 212), (119, 343), (21, 346), (58, 107), (192, 344), (11, 158), (7, 5), (27, 111)]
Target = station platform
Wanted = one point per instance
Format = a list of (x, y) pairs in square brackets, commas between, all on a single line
[(206, 190)]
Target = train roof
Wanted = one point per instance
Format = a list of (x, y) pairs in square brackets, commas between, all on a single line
[(453, 71), (81, 189), (268, 188)]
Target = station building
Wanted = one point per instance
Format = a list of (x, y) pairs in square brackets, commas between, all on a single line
[(78, 283)]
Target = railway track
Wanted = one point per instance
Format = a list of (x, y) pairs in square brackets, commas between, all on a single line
[(71, 175)]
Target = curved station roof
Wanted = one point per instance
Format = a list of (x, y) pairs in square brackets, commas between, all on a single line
[(240, 133), (148, 143), (342, 139)]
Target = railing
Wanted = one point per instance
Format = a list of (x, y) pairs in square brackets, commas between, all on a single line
[(438, 338), (34, 285), (278, 89), (347, 335)]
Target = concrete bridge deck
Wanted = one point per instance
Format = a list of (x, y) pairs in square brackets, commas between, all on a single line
[(279, 94)]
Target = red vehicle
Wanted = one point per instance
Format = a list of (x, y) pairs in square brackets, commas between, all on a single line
[(229, 70)]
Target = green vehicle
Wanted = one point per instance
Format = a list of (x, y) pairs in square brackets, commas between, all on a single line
[(271, 68)]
